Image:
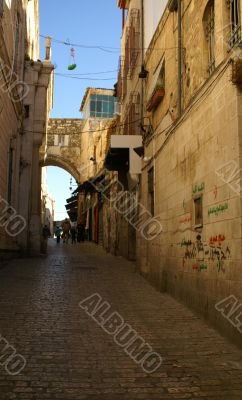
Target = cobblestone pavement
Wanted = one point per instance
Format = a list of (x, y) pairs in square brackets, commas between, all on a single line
[(70, 357)]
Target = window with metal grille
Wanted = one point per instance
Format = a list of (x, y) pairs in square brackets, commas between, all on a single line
[(133, 127), (209, 23), (132, 47), (235, 22)]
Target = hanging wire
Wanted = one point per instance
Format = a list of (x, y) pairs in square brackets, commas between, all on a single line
[(102, 48), (83, 78), (106, 48)]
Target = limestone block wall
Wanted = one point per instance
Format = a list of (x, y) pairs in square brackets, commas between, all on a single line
[(77, 145), (130, 79), (9, 137), (199, 264), (62, 146)]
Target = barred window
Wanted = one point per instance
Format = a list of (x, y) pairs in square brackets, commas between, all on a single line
[(208, 23), (235, 22)]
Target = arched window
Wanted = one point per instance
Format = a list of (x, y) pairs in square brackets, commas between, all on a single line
[(208, 24)]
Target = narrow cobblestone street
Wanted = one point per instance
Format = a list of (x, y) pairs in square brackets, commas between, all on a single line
[(70, 357)]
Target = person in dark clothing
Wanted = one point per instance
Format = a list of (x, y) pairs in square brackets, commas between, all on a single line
[(58, 234), (45, 235), (80, 233), (73, 235)]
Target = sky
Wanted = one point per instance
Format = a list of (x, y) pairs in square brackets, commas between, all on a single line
[(88, 24)]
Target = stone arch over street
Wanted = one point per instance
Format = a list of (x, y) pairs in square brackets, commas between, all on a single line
[(62, 147), (56, 161)]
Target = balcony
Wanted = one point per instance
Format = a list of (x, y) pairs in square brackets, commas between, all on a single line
[(156, 98)]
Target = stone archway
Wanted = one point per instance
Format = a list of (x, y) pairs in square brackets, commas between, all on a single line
[(56, 161), (62, 145)]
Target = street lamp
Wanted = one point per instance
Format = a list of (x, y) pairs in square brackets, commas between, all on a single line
[(71, 184)]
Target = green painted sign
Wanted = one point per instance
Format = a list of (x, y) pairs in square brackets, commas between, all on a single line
[(198, 188), (218, 209)]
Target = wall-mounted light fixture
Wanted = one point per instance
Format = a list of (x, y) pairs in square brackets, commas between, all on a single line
[(143, 73)]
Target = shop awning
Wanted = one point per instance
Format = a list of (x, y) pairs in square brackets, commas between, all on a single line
[(71, 205), (90, 185)]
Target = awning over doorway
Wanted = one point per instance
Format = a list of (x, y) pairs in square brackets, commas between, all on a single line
[(121, 153)]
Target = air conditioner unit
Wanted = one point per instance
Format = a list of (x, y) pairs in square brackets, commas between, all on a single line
[(117, 108)]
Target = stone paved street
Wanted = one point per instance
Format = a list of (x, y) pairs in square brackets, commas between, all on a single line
[(70, 357)]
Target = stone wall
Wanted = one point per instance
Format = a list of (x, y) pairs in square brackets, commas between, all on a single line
[(62, 147), (25, 16), (198, 261)]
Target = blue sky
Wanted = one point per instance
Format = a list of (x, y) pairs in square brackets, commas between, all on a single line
[(86, 23)]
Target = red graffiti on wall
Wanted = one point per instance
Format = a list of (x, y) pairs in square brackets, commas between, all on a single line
[(186, 219), (199, 267), (217, 239)]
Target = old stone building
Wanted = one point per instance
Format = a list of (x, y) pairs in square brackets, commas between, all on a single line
[(121, 158), (80, 146), (188, 84), (26, 98), (98, 107)]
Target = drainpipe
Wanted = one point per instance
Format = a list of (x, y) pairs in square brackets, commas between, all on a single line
[(142, 59), (123, 18), (179, 10)]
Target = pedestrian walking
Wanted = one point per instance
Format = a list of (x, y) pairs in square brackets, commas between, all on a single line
[(58, 234), (66, 226), (73, 235), (81, 230)]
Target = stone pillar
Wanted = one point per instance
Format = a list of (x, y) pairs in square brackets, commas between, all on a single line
[(38, 77), (35, 214)]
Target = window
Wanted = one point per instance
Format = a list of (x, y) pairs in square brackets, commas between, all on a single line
[(61, 140), (157, 91), (162, 76), (134, 39), (101, 106), (133, 115), (235, 22), (208, 23), (198, 211), (151, 198)]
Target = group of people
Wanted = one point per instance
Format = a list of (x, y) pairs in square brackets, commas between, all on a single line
[(67, 231)]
